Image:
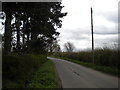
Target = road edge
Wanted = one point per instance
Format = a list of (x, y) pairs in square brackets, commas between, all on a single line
[(59, 83), (58, 78)]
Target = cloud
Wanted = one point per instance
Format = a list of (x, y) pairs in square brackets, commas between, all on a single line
[(75, 34), (102, 40), (105, 30), (111, 16), (77, 24)]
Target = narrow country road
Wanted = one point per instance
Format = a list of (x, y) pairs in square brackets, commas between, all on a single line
[(76, 76)]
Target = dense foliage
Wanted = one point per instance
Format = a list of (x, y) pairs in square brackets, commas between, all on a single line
[(30, 30), (30, 27), (17, 70), (103, 57)]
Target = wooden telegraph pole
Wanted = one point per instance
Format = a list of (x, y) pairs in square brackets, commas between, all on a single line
[(92, 34)]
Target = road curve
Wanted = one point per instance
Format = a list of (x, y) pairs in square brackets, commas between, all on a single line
[(76, 76)]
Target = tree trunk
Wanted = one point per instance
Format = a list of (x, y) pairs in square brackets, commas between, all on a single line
[(7, 35), (23, 34), (27, 36), (33, 36), (18, 33), (23, 38)]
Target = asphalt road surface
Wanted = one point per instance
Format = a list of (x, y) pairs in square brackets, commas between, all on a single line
[(76, 76)]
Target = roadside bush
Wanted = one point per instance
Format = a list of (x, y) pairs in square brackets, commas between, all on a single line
[(103, 57), (18, 69), (106, 57)]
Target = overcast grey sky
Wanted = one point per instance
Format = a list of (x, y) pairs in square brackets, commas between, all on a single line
[(76, 26)]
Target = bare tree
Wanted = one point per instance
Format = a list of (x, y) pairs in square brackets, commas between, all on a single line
[(69, 47), (53, 47)]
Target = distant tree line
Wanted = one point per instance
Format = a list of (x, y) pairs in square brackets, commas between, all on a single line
[(31, 27)]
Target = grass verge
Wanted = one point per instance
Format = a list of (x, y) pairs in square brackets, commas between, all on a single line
[(105, 69), (45, 77)]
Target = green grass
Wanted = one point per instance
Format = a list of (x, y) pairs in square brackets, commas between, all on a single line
[(105, 69), (45, 77)]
